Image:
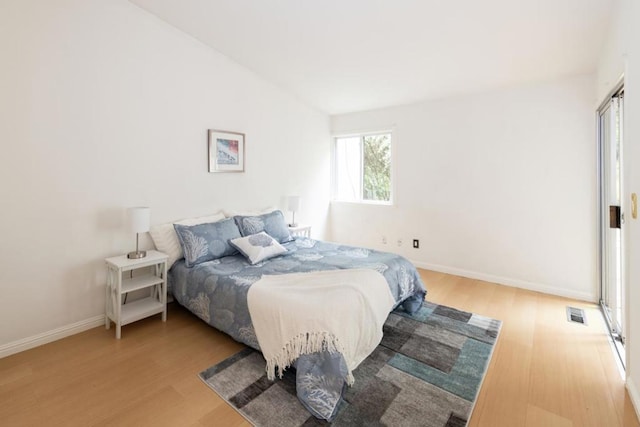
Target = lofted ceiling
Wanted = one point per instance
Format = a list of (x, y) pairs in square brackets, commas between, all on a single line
[(352, 55)]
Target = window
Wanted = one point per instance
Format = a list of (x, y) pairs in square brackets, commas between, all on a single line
[(362, 168)]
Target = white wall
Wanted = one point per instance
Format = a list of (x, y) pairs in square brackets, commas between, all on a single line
[(103, 107), (632, 162), (611, 64), (622, 55), (498, 186)]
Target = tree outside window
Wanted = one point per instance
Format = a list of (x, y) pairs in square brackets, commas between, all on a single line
[(362, 168)]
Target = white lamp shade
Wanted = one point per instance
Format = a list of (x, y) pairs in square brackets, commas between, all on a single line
[(140, 219), (294, 203)]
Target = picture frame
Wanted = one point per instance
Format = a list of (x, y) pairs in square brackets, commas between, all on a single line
[(226, 151)]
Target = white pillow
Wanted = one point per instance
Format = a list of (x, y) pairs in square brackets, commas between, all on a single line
[(231, 213), (258, 247), (166, 240)]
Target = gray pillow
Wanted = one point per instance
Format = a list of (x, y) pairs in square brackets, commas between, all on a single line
[(272, 223), (206, 242)]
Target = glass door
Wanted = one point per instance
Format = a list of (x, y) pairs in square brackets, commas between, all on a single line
[(610, 144)]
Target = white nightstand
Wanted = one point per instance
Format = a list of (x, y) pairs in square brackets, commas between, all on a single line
[(302, 230), (117, 286)]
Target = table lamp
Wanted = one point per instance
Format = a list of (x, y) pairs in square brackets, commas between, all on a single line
[(294, 205), (139, 221)]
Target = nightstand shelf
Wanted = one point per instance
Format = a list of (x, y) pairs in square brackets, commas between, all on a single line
[(140, 309), (141, 282), (302, 230), (119, 286)]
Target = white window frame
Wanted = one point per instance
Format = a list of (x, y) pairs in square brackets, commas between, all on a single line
[(361, 135)]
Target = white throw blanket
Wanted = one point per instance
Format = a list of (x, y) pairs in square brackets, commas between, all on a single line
[(339, 311)]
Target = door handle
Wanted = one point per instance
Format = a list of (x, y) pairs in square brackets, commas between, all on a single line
[(614, 217), (634, 205)]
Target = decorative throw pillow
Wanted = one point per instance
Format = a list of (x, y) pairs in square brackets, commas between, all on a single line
[(271, 223), (166, 240), (206, 242), (258, 247)]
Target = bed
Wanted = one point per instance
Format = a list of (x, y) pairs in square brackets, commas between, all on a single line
[(216, 291)]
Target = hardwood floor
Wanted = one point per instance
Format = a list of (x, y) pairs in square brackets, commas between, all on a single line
[(545, 371)]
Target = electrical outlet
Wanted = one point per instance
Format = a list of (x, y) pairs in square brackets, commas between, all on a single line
[(399, 242), (416, 243), (384, 240)]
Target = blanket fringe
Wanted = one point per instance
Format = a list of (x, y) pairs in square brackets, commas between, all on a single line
[(306, 343)]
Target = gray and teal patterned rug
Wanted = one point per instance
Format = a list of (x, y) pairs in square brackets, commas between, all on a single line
[(427, 371)]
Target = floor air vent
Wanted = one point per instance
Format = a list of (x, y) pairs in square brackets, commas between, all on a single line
[(576, 315)]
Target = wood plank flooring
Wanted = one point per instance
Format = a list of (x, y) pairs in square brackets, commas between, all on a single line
[(545, 371)]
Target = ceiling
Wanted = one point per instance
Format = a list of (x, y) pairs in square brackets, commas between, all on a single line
[(352, 55)]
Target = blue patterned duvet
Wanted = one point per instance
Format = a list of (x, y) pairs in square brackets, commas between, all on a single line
[(216, 291)]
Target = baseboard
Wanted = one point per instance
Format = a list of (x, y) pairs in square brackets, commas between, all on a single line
[(633, 395), (83, 325), (47, 337), (552, 290)]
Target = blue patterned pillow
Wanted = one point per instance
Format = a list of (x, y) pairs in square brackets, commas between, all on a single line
[(272, 223), (206, 242), (258, 247)]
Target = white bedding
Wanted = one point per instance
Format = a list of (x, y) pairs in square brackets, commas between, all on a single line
[(303, 313)]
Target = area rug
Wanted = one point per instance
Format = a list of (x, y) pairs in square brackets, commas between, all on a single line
[(427, 371)]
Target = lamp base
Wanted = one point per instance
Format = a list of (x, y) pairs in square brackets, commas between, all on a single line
[(137, 254), (293, 224)]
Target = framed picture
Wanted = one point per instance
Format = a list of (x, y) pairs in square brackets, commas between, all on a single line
[(226, 151)]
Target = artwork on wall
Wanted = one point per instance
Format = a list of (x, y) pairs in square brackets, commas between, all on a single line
[(226, 151)]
